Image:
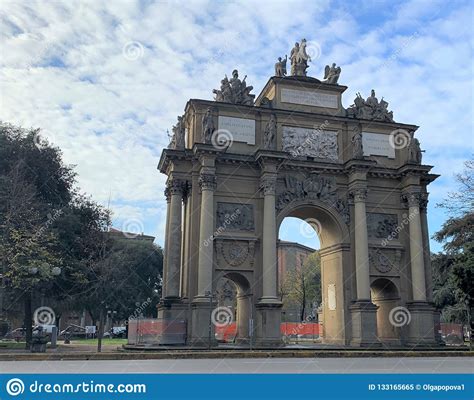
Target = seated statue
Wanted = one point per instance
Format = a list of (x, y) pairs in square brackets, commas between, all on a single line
[(234, 91)]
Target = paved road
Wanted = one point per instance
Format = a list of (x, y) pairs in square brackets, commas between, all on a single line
[(264, 365)]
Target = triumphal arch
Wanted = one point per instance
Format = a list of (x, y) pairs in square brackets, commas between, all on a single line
[(238, 165)]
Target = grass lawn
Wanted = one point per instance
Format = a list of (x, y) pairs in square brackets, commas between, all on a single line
[(12, 345)]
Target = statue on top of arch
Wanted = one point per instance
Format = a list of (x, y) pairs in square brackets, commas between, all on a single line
[(370, 108), (234, 91), (299, 59)]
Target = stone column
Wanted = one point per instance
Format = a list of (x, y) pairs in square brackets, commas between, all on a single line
[(363, 311), (361, 244), (417, 261), (269, 240), (167, 241), (421, 329), (269, 306), (207, 183), (173, 243)]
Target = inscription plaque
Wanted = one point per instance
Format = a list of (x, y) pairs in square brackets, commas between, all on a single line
[(242, 129), (332, 296), (377, 144), (316, 99)]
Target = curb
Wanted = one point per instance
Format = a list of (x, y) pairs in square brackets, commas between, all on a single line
[(163, 355)]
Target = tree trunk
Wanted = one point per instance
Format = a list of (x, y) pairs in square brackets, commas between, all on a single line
[(303, 302), (101, 329), (28, 320)]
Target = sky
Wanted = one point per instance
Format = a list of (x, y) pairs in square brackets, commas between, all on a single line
[(106, 80)]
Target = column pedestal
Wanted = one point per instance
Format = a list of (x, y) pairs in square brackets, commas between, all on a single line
[(172, 314), (201, 312), (268, 323), (421, 329), (364, 324)]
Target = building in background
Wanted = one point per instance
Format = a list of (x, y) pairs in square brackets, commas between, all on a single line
[(291, 255)]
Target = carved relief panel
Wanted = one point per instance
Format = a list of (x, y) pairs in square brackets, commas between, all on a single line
[(234, 217), (382, 226), (384, 261), (235, 253), (315, 143)]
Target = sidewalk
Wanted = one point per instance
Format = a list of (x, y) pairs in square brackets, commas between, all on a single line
[(111, 352)]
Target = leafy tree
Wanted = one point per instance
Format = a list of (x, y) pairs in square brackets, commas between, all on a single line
[(454, 272), (34, 185), (302, 286)]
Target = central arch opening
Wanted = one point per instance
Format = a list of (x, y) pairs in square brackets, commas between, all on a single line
[(299, 278), (313, 273)]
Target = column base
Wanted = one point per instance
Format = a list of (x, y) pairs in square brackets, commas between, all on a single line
[(421, 327), (364, 324), (268, 323), (171, 324), (202, 328)]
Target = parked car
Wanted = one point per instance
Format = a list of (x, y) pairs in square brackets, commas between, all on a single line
[(17, 334), (116, 332), (73, 332)]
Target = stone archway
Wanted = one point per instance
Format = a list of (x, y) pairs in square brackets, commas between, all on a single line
[(385, 295), (244, 309), (336, 277), (235, 170)]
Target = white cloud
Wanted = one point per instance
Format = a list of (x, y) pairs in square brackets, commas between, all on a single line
[(63, 69)]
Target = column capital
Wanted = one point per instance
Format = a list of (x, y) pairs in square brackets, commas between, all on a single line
[(358, 194), (207, 181), (167, 194), (413, 199), (423, 202), (268, 184), (175, 186)]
